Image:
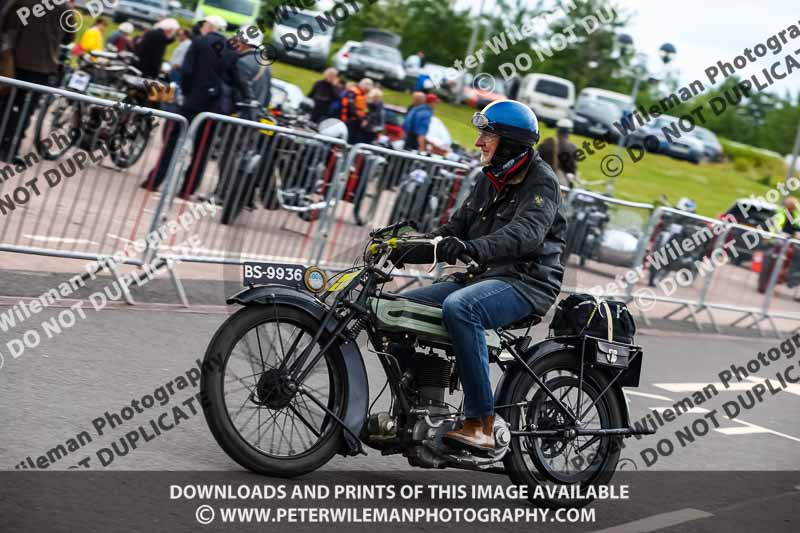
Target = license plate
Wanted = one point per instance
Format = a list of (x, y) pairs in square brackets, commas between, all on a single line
[(79, 81), (298, 55), (273, 274), (373, 74)]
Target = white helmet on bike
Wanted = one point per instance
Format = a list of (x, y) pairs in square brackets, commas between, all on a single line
[(333, 127), (686, 204)]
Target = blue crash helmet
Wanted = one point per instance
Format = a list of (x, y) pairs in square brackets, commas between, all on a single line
[(509, 119)]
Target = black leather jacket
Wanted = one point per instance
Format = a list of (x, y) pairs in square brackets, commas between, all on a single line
[(519, 233)]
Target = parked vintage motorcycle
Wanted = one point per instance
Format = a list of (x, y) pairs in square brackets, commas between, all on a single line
[(284, 385), (669, 254), (125, 134), (586, 226)]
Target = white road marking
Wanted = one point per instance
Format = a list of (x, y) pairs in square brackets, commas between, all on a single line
[(659, 521), (740, 386), (646, 395), (59, 239)]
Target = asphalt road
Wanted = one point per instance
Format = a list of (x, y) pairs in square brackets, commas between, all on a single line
[(52, 393)]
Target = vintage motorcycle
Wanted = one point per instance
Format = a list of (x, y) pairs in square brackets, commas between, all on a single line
[(586, 226), (284, 385)]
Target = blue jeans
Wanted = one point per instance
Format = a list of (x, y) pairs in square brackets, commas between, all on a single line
[(468, 312)]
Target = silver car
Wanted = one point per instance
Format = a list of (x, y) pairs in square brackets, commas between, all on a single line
[(141, 12), (381, 63)]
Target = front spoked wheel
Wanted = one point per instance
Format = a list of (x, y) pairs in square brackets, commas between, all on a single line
[(258, 415), (566, 458)]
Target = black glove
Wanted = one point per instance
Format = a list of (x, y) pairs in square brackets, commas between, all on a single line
[(450, 249), (411, 255)]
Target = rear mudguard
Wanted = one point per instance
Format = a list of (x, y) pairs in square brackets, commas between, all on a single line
[(357, 386), (505, 387)]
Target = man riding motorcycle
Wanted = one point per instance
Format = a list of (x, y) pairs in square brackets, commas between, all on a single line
[(512, 223)]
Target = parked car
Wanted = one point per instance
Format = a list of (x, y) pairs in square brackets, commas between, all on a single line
[(651, 136), (595, 119), (343, 55), (139, 12), (713, 149), (379, 62), (479, 98), (596, 111), (292, 49), (237, 13), (438, 134), (550, 97)]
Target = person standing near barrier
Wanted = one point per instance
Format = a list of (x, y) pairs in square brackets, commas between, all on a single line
[(513, 224), (561, 154), (92, 39), (210, 75), (354, 110), (787, 219), (376, 116), (417, 123), (179, 54), (324, 92), (32, 52), (150, 50), (252, 69), (120, 39)]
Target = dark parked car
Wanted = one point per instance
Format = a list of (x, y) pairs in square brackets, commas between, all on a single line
[(595, 119), (378, 62), (651, 136)]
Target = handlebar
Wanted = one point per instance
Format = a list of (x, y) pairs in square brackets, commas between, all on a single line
[(472, 266)]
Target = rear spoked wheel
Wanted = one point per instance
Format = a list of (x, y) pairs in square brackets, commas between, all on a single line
[(565, 459), (261, 418)]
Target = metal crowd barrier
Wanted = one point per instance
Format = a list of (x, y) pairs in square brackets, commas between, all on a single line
[(271, 185), (58, 198), (400, 186), (700, 265), (597, 258)]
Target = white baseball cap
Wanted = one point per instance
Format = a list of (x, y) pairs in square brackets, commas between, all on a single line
[(126, 27), (216, 21)]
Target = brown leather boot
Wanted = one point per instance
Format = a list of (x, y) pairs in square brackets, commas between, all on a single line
[(475, 433)]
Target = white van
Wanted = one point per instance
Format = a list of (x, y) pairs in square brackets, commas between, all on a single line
[(550, 97)]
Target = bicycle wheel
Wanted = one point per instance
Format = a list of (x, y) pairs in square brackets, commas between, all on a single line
[(130, 140), (59, 118), (582, 460), (263, 420)]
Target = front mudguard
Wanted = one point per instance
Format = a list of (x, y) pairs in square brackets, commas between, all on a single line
[(505, 387), (357, 386)]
